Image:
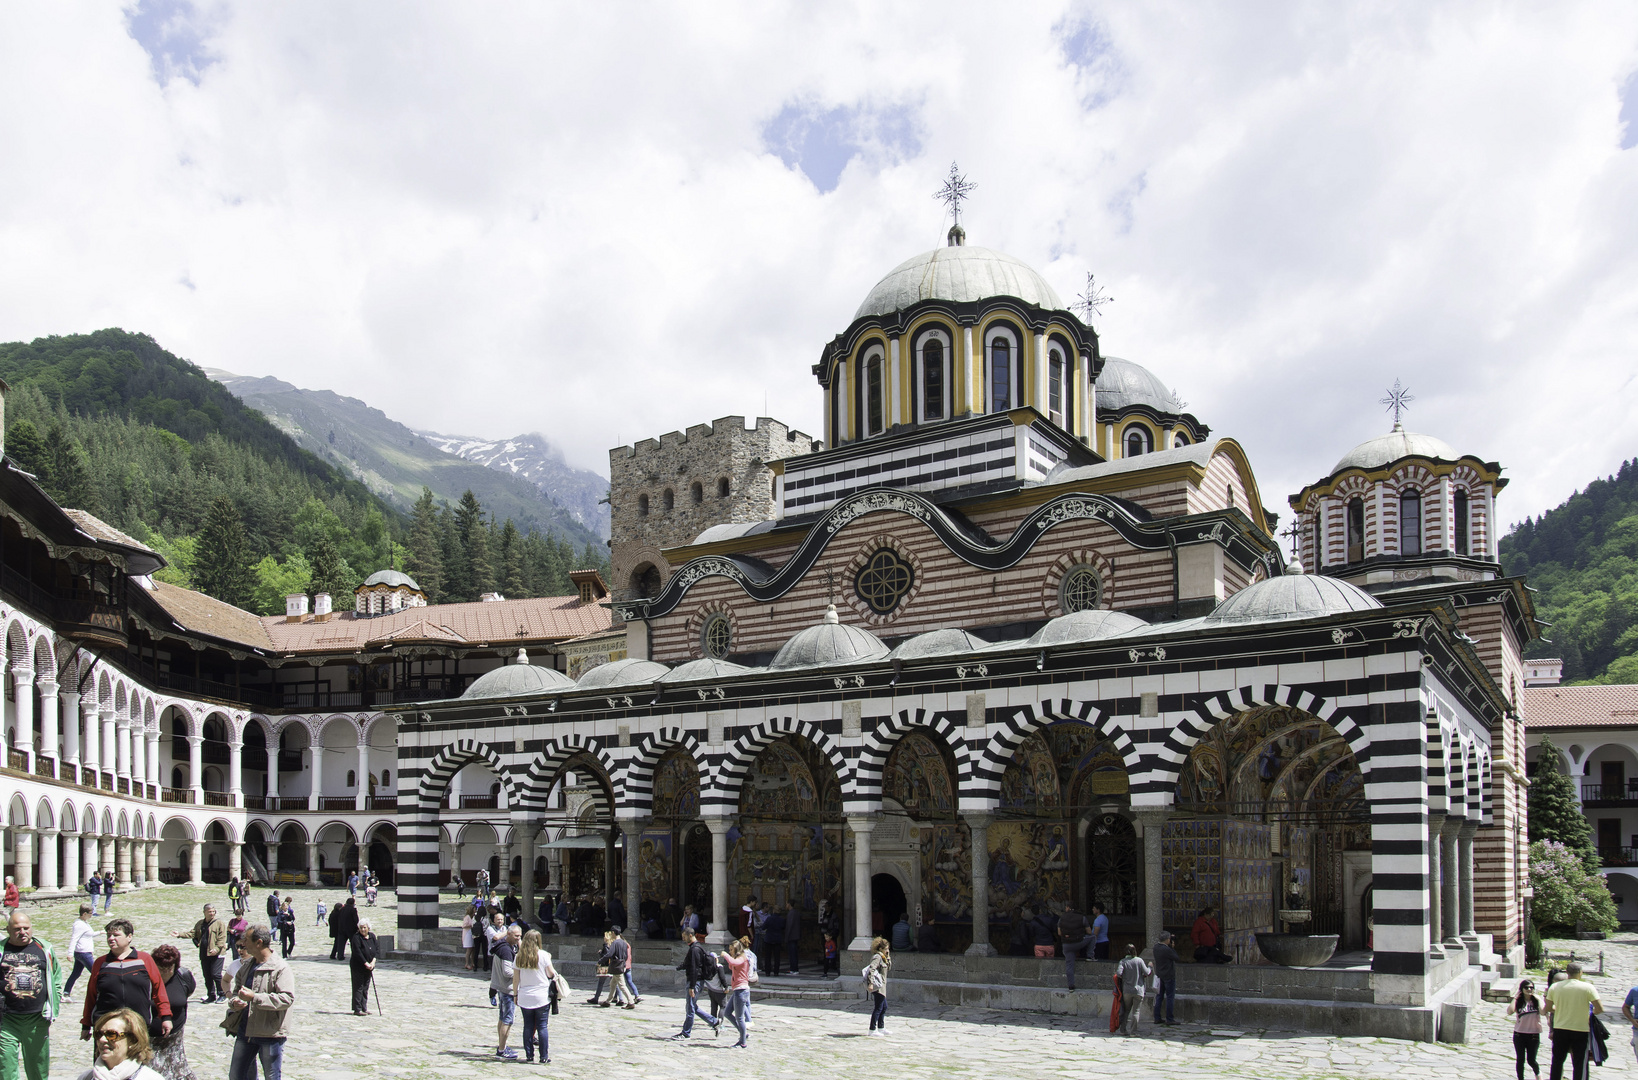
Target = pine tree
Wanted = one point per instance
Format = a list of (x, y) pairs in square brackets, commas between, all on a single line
[(330, 572), (222, 559), (26, 448), (1555, 814), (69, 478), (426, 561), (474, 540), (457, 571), (513, 584)]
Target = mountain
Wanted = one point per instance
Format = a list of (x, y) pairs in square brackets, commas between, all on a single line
[(581, 492), (1582, 559), (396, 462)]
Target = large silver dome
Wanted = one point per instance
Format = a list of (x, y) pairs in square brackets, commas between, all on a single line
[(1122, 384), (830, 642), (518, 680), (1292, 595), (1396, 444), (961, 275)]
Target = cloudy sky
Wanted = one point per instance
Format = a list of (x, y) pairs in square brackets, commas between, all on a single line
[(606, 221)]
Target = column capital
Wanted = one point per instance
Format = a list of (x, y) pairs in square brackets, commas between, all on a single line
[(1469, 829), (195, 740), (1155, 815), (22, 673), (719, 826), (861, 824), (47, 685), (632, 826), (978, 819), (47, 832), (1452, 825)]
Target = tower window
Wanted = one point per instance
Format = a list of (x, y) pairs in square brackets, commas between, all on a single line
[(696, 493), (1055, 387), (1356, 530), (722, 487), (1000, 375), (668, 499), (642, 506), (1410, 522), (1461, 523), (1318, 559), (932, 380), (1137, 441), (873, 395)]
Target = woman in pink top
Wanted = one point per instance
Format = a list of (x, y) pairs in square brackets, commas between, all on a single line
[(739, 986)]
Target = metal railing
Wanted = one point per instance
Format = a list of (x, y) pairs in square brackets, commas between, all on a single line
[(175, 795), (1610, 792), (332, 803), (478, 802), (1618, 856)]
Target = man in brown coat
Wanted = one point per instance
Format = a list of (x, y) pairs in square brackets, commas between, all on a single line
[(210, 934)]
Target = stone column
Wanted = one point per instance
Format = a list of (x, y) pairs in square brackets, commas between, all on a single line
[(526, 831), (122, 747), (273, 859), (979, 826), (359, 799), (1154, 921), (108, 855), (455, 862), (155, 774), (22, 848), (862, 930), (273, 774), (1435, 890), (196, 864), (91, 856), (196, 769), (122, 862), (718, 932), (49, 741), (22, 681), (611, 879), (105, 719), (504, 878), (153, 862), (1450, 882), (49, 882), (235, 859), (317, 793), (312, 864), (91, 745), (633, 828), (71, 878), (1464, 860), (236, 776), (68, 704)]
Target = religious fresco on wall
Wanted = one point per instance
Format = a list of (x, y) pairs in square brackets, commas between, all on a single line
[(654, 864), (789, 779), (1029, 867), (1030, 782), (1238, 761), (676, 787), (1099, 775), (1224, 864), (946, 873), (917, 777), (788, 841)]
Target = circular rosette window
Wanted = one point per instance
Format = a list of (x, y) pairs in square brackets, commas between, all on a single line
[(883, 581), (1081, 589)]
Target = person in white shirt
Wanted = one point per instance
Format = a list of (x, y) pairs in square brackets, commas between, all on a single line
[(82, 943)]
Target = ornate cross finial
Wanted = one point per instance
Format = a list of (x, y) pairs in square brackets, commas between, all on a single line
[(1291, 533), (1397, 401), (1091, 302), (954, 192)]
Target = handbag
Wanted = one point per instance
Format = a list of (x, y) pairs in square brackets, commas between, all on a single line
[(602, 970)]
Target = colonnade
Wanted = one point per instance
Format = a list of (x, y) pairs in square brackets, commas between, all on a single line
[(132, 862)]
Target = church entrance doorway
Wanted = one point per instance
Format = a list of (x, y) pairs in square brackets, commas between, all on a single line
[(887, 903)]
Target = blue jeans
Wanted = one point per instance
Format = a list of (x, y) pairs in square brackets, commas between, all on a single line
[(534, 1030), (878, 1013), (691, 1008), (1072, 950), (739, 1010), (247, 1052), (107, 899), (631, 984), (1168, 993), (507, 1011), (82, 962)]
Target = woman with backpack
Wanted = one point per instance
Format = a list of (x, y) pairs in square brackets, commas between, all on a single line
[(875, 979)]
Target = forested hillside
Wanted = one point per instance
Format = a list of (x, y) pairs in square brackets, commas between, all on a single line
[(113, 424), (1582, 558)]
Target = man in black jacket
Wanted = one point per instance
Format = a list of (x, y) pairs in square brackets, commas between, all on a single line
[(697, 966), (773, 941)]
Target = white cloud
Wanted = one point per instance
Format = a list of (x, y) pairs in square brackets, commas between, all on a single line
[(605, 221)]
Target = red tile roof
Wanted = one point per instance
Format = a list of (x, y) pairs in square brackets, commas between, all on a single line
[(1581, 706), (501, 622)]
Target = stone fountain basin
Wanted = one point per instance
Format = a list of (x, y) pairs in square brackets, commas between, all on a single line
[(1297, 950)]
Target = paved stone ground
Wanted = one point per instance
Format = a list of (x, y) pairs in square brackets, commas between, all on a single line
[(438, 1023)]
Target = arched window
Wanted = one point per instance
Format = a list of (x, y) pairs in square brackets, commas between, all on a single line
[(352, 778), (1410, 522), (668, 499), (1137, 440), (1461, 523), (1055, 386), (932, 379), (386, 778), (1180, 439), (1356, 530), (696, 493), (722, 487), (642, 506), (1000, 374), (873, 396), (1318, 560)]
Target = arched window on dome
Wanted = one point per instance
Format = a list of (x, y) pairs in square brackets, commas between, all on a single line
[(1462, 519), (1055, 386), (1410, 522), (1001, 353), (1179, 439), (874, 410), (934, 376), (1356, 530), (1137, 441)]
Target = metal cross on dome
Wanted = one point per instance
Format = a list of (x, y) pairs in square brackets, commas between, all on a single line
[(954, 192), (1091, 302), (1398, 400)]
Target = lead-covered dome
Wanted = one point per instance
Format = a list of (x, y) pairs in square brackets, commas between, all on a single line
[(622, 673), (392, 579), (830, 642), (1092, 625), (1396, 444), (1122, 384), (518, 680), (960, 275), (1292, 595)]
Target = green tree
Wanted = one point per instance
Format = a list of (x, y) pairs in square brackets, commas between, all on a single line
[(222, 561), (1555, 813), (426, 558), (69, 479), (26, 448), (331, 573), (513, 584), (276, 580), (474, 539), (1569, 895)]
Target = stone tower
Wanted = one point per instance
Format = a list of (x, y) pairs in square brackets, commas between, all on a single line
[(665, 492)]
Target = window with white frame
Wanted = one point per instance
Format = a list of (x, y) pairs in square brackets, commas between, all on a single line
[(1055, 385), (1001, 357), (933, 375), (1137, 440)]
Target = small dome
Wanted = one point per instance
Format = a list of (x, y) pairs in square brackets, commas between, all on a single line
[(949, 642), (621, 673), (961, 275), (518, 680), (1292, 595), (708, 667), (1122, 384), (1396, 444), (392, 579), (830, 642), (1086, 626)]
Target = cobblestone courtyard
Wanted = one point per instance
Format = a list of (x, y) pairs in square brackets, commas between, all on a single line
[(438, 1023)]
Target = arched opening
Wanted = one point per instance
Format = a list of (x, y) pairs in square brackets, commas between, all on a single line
[(874, 406), (722, 487), (918, 783), (1356, 530), (1055, 387), (381, 854), (642, 506), (645, 581), (1461, 522), (696, 493), (887, 903), (789, 841), (932, 379), (1270, 814), (1000, 373), (1137, 441), (668, 500), (674, 863), (1410, 522)]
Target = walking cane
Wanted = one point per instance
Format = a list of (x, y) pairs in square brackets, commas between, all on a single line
[(378, 1011)]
